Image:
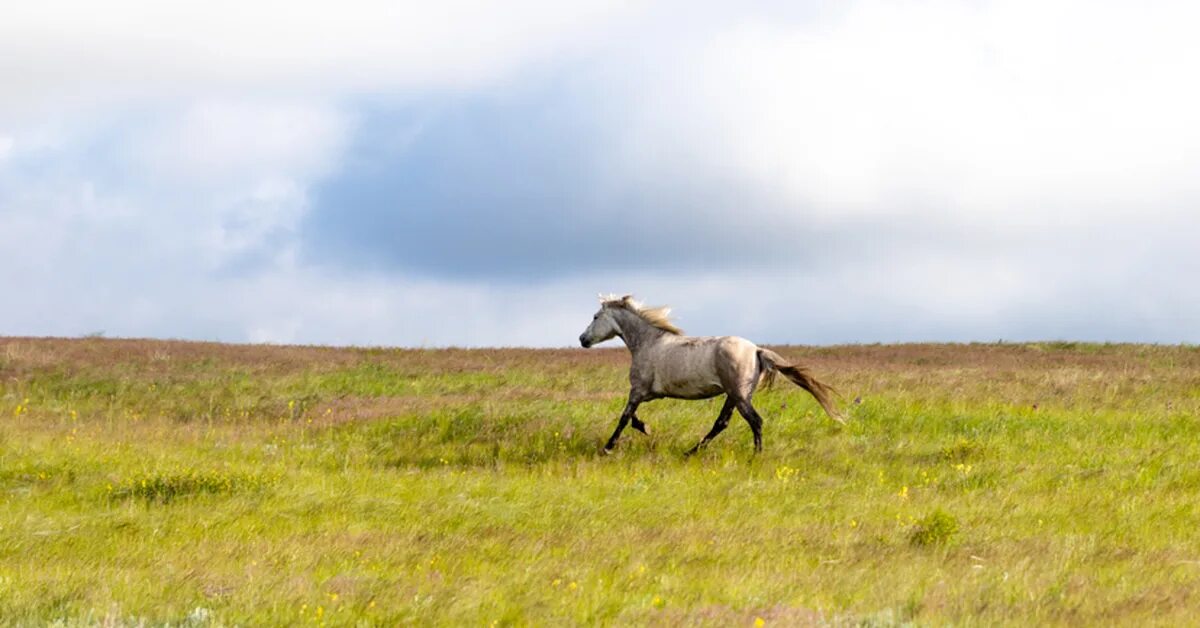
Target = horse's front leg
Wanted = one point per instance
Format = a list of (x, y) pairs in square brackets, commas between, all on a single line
[(626, 417)]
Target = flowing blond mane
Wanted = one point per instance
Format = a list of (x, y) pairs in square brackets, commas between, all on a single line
[(656, 316)]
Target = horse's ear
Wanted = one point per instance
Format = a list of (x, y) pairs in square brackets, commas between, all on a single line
[(626, 299)]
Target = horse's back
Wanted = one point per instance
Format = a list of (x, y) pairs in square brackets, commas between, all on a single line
[(737, 349), (692, 367)]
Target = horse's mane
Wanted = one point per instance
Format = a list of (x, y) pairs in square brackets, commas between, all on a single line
[(655, 316)]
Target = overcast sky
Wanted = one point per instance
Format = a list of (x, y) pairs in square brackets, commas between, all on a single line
[(381, 173)]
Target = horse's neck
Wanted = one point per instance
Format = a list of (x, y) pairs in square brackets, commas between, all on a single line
[(637, 333)]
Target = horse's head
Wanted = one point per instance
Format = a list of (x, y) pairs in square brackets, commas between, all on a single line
[(604, 323)]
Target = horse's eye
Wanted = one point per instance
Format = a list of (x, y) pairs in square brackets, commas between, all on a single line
[(595, 317)]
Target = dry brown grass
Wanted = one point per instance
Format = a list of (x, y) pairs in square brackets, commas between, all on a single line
[(1121, 360)]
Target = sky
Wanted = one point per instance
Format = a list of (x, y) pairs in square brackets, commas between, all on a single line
[(474, 174)]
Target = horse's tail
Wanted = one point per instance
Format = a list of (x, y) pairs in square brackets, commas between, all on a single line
[(773, 362)]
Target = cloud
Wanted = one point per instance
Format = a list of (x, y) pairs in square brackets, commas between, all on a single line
[(523, 188), (965, 127), (122, 227), (72, 55), (217, 143), (467, 174), (1009, 112)]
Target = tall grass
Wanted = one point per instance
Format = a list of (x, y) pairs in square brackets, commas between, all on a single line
[(197, 484)]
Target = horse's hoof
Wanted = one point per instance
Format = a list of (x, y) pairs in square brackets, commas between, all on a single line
[(607, 451)]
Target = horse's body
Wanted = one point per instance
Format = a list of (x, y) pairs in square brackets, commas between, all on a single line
[(668, 364)]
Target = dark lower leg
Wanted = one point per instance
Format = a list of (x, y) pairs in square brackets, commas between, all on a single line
[(751, 415), (626, 417), (718, 426), (637, 424), (612, 440)]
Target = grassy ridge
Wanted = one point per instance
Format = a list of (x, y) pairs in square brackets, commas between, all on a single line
[(210, 484)]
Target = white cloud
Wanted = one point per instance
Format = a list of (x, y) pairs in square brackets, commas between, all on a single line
[(237, 174), (174, 196), (215, 142), (1009, 112), (79, 53)]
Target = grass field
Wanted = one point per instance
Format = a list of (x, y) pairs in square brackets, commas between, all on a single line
[(205, 484)]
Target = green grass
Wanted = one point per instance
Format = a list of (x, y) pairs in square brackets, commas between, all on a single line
[(193, 484)]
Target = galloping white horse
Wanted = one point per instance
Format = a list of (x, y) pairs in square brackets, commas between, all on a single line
[(667, 363)]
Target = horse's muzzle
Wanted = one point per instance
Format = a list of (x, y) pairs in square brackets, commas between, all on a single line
[(583, 342)]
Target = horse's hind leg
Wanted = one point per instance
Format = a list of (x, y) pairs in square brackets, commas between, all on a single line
[(752, 417), (718, 427)]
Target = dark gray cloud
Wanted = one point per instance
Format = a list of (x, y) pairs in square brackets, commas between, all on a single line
[(527, 188), (530, 188)]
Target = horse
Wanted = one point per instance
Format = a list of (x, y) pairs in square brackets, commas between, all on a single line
[(668, 364)]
